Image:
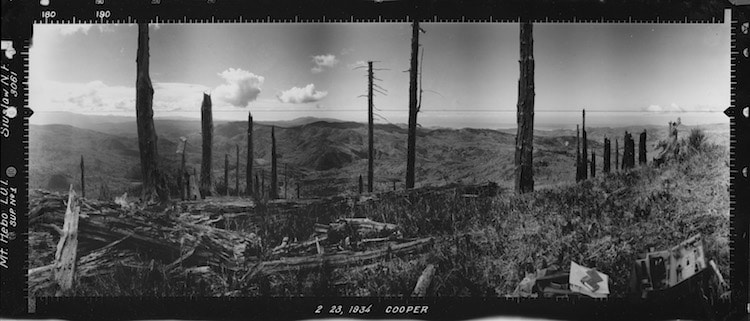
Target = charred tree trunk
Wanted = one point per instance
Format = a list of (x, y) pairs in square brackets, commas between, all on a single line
[(273, 192), (250, 157), (525, 135), (207, 131), (370, 130), (585, 151), (607, 153), (593, 164), (83, 179), (642, 148), (237, 172), (578, 156), (411, 152), (226, 174), (360, 184), (153, 185)]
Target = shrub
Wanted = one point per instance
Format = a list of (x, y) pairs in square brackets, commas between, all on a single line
[(696, 139)]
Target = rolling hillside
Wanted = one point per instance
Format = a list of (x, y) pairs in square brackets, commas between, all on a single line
[(325, 156)]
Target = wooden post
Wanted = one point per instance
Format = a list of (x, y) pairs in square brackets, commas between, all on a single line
[(617, 155), (412, 137), (585, 148), (83, 179), (207, 130), (606, 154), (593, 163), (273, 193), (370, 129), (237, 172), (642, 148), (67, 247), (226, 173), (250, 157), (578, 156), (524, 181), (153, 187), (423, 283)]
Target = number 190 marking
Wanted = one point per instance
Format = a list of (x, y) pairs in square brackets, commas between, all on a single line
[(101, 14)]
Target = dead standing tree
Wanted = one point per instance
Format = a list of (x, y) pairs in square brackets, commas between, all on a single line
[(250, 156), (606, 156), (585, 146), (154, 185), (642, 148), (207, 131), (411, 152), (273, 192), (578, 155), (525, 134), (370, 130)]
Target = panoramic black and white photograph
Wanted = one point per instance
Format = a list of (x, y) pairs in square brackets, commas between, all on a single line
[(409, 159)]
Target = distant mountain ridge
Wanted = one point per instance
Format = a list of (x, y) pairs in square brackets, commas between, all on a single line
[(326, 156)]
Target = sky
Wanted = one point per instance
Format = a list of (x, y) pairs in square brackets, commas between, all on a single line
[(622, 74)]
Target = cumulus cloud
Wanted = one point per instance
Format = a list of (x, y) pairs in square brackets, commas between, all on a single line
[(323, 61), (297, 95), (98, 97), (240, 87), (672, 108)]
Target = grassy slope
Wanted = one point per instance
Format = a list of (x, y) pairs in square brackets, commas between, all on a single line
[(648, 207)]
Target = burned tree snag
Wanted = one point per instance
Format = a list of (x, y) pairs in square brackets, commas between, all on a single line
[(273, 192), (237, 172), (585, 148), (642, 148), (250, 157), (411, 152), (360, 184), (606, 166), (67, 247), (525, 113), (153, 184), (83, 179), (370, 129), (628, 155), (207, 131), (578, 156)]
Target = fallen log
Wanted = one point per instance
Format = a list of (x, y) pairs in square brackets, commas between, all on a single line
[(159, 235), (423, 283), (342, 258)]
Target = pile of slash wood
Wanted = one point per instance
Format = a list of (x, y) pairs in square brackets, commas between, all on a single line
[(190, 237)]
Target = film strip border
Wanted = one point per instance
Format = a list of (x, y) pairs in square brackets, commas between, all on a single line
[(287, 11), (18, 19), (739, 113)]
